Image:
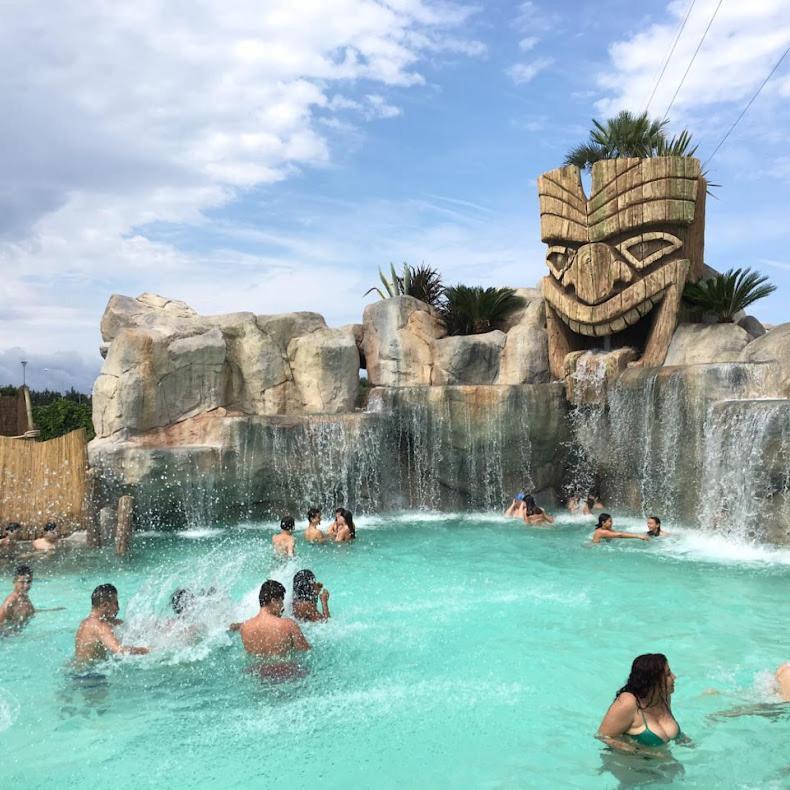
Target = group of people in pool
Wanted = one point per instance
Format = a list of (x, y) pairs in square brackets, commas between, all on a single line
[(525, 508), (267, 634), (9, 539), (341, 530), (640, 715)]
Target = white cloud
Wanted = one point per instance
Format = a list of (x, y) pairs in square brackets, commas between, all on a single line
[(743, 43), (528, 43), (521, 73), (132, 116)]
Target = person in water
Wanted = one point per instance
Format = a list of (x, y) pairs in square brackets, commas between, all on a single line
[(654, 527), (8, 539), (533, 515), (346, 531), (604, 531), (334, 526), (17, 609), (783, 681), (312, 534), (591, 503), (95, 640), (307, 591), (284, 543), (516, 509), (641, 714), (49, 540), (268, 633)]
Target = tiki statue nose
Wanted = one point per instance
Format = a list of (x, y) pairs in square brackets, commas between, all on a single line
[(594, 272)]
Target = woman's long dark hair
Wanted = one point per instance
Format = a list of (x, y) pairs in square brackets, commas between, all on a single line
[(648, 679), (602, 519), (531, 506), (348, 517), (303, 586)]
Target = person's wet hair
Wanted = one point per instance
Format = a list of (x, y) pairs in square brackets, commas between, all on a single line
[(602, 519), (13, 526), (648, 678), (531, 505), (348, 517), (313, 512), (591, 500), (50, 526), (271, 590), (657, 530), (23, 570), (181, 600), (102, 594), (287, 523), (304, 589)]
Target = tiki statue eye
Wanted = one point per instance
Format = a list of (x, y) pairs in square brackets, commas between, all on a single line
[(644, 250), (559, 258)]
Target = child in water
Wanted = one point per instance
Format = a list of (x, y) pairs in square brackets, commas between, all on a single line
[(284, 543)]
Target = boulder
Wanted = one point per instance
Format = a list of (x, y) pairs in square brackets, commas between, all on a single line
[(533, 312), (468, 359), (525, 358), (752, 326), (773, 346), (696, 344), (146, 310), (325, 367), (398, 334)]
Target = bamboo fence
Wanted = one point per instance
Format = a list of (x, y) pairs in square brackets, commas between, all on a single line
[(44, 481)]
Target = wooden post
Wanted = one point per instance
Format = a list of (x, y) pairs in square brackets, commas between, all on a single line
[(90, 515), (123, 534)]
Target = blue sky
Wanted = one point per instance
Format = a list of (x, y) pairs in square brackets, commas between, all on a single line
[(269, 156)]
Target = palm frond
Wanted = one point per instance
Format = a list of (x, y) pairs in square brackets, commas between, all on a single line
[(471, 310), (727, 294)]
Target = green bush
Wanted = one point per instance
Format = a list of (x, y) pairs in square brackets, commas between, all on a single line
[(727, 294), (472, 310), (421, 282), (59, 417)]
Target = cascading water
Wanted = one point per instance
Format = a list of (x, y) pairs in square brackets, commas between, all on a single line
[(746, 469)]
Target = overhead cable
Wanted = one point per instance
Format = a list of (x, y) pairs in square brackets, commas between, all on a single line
[(748, 104), (669, 56), (693, 58)]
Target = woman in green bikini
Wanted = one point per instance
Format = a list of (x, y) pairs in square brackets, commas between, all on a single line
[(641, 714)]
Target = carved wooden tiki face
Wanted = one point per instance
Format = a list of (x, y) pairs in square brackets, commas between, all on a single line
[(619, 259)]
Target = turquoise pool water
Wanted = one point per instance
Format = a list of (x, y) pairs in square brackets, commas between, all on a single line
[(463, 652)]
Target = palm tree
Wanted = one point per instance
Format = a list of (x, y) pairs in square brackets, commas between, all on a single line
[(472, 310), (629, 135), (728, 293), (422, 282)]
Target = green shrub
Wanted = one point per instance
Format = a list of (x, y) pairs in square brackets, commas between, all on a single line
[(727, 294), (472, 310), (422, 282), (62, 416)]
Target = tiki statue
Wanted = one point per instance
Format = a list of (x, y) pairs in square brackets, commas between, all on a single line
[(619, 259)]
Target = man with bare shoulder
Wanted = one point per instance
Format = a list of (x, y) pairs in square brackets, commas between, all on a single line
[(312, 534), (17, 608), (49, 540), (268, 633), (95, 639), (783, 681), (285, 543)]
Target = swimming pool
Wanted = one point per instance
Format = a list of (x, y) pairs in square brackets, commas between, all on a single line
[(464, 651)]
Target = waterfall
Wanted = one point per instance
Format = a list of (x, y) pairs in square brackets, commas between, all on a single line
[(746, 470)]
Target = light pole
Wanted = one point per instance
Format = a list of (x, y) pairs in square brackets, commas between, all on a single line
[(23, 363)]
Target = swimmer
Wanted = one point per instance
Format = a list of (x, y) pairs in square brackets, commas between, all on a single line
[(533, 515), (307, 590), (284, 543), (268, 633), (181, 602), (574, 504), (604, 531), (95, 639), (654, 527), (346, 531), (17, 609), (334, 526), (783, 681), (592, 502), (517, 505), (49, 540), (8, 539), (641, 714), (312, 534)]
